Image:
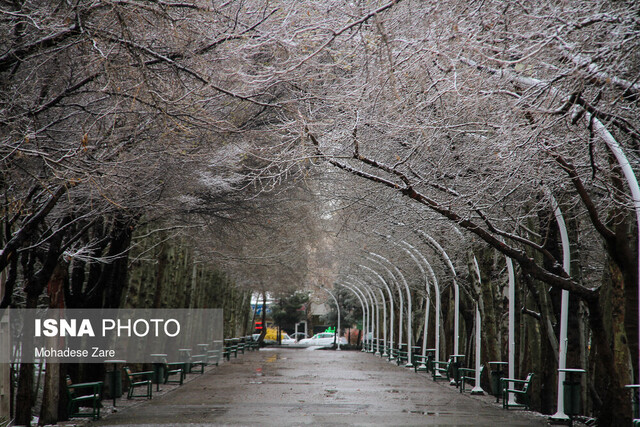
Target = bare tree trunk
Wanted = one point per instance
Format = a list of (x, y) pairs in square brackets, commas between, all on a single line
[(25, 395), (49, 409), (615, 409)]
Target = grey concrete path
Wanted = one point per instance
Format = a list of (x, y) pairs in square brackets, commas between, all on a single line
[(302, 387)]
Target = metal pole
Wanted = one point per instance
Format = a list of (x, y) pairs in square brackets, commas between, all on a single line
[(395, 282), (390, 344), (365, 316), (564, 311), (360, 299), (512, 326), (456, 288), (374, 330), (409, 319), (384, 324), (477, 389), (425, 332), (427, 300), (366, 291), (436, 285), (337, 335)]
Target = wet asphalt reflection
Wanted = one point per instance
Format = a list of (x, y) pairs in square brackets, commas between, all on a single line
[(280, 386)]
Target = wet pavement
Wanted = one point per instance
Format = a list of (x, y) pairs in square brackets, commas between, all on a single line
[(279, 386)]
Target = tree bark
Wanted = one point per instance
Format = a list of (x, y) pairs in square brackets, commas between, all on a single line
[(49, 410)]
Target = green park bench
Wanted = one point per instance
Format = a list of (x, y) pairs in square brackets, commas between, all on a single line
[(226, 350), (198, 360), (251, 344), (441, 369), (84, 395), (139, 380), (468, 374), (213, 357), (174, 368), (401, 358), (393, 353), (520, 388), (423, 363)]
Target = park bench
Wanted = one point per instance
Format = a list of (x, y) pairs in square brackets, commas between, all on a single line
[(84, 395), (424, 363), (139, 380), (393, 353), (234, 347), (213, 356), (248, 343), (520, 388), (468, 374), (226, 352), (198, 360), (401, 358), (174, 368), (421, 363), (441, 369), (252, 344), (378, 345)]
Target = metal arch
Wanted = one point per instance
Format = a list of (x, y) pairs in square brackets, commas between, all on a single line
[(409, 320), (388, 344)]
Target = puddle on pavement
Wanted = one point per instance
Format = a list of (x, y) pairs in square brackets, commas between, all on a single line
[(431, 413)]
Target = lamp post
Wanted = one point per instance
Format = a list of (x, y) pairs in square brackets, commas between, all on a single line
[(406, 285), (456, 288), (477, 389), (364, 308), (391, 318), (367, 293), (400, 299), (438, 301), (564, 313), (375, 317), (384, 324), (337, 335), (427, 304), (512, 326), (372, 294)]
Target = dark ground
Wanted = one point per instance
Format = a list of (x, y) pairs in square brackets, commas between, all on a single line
[(281, 386)]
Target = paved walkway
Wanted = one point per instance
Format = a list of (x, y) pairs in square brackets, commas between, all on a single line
[(302, 387)]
